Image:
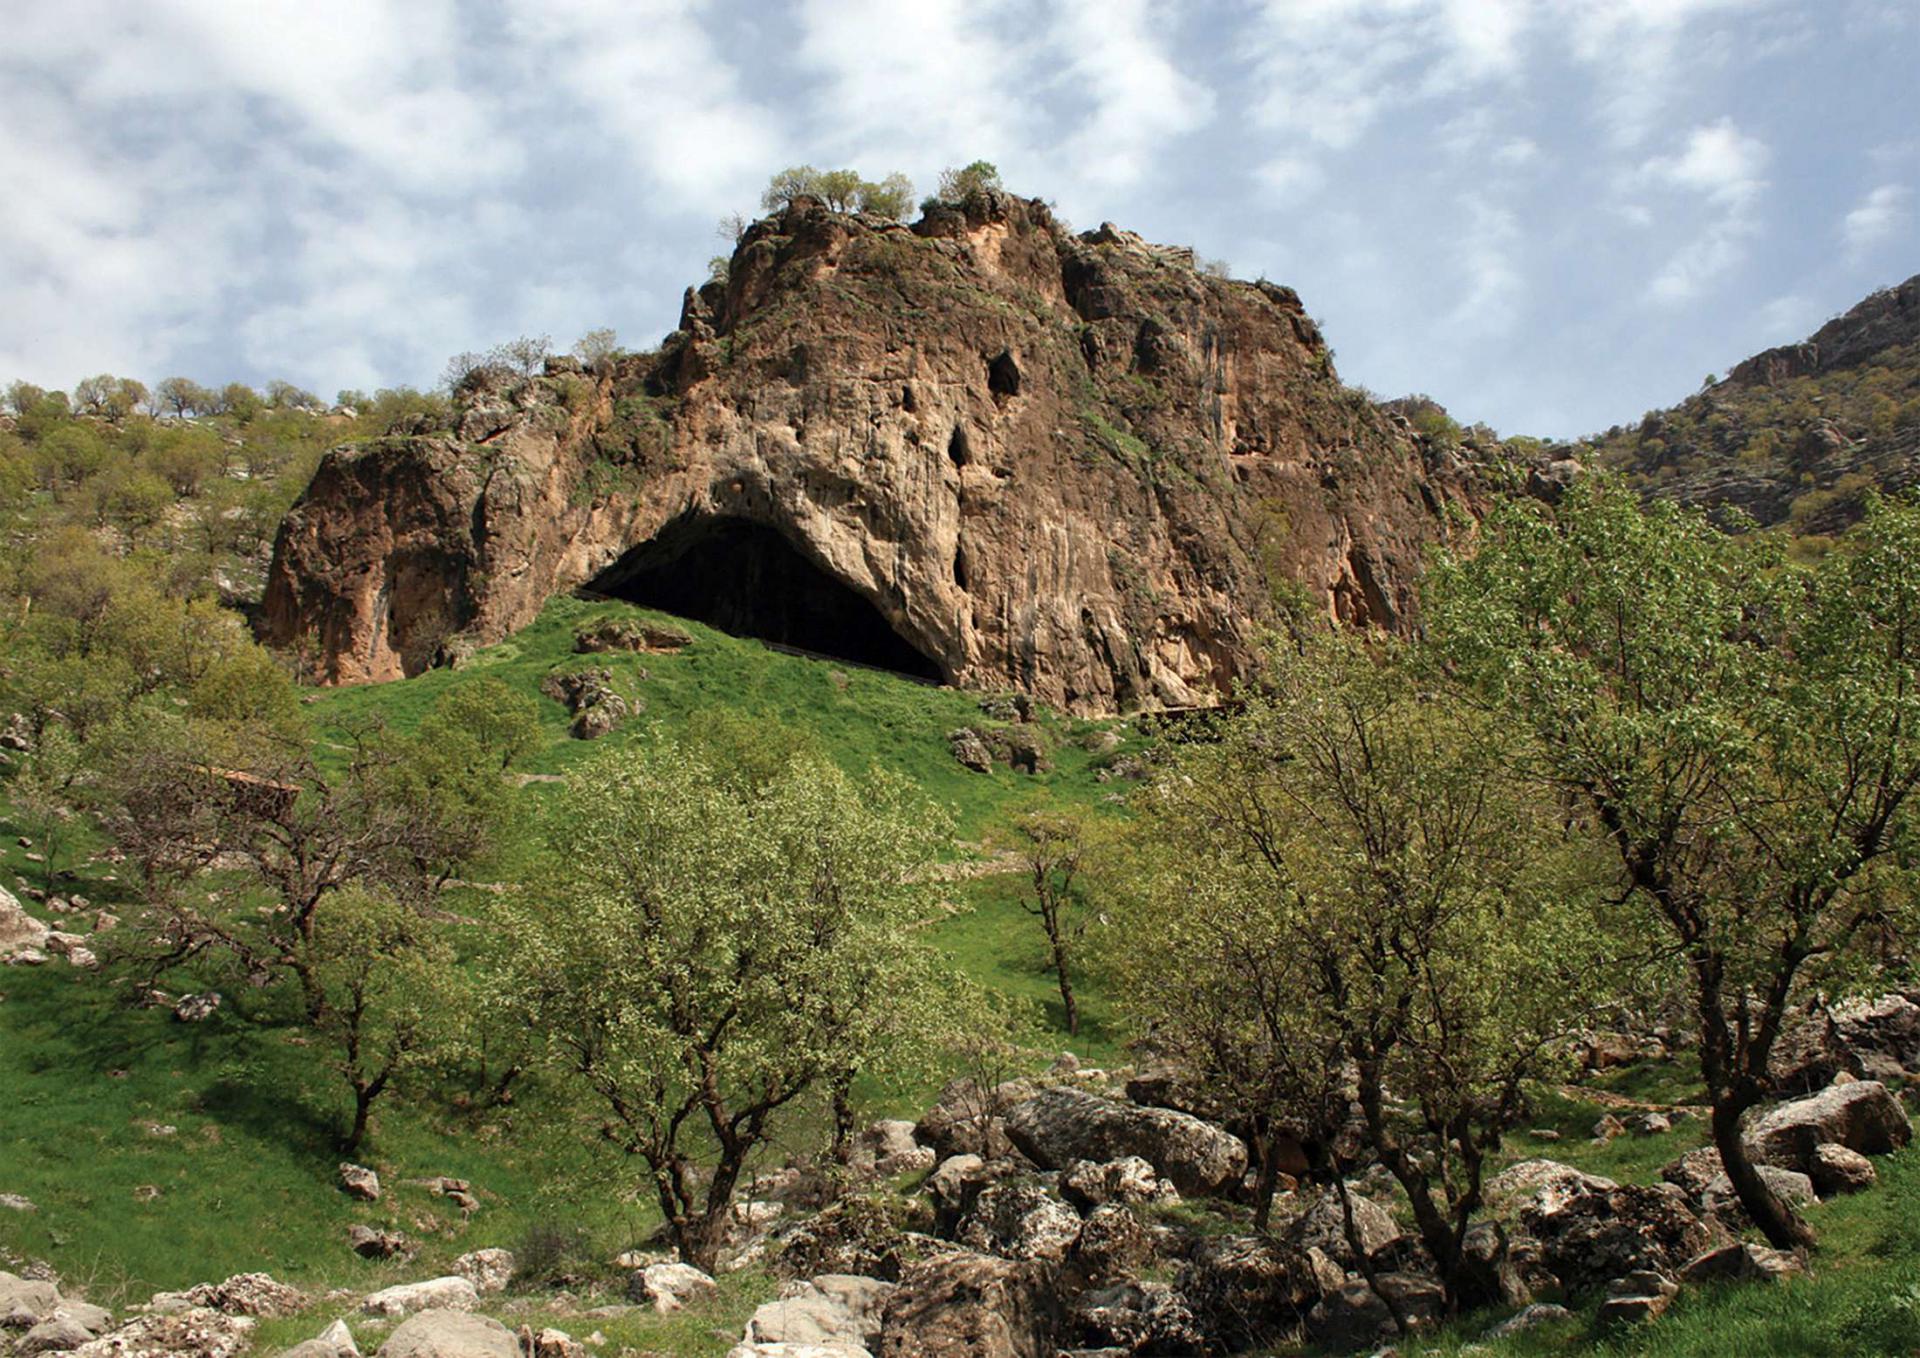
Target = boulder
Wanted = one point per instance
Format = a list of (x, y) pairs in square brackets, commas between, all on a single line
[(970, 1304), (1135, 1317), (1112, 1245), (970, 750), (1088, 1184), (29, 1298), (1528, 1318), (244, 1294), (336, 1341), (671, 1287), (19, 931), (1693, 1171), (436, 1333), (1594, 1237), (357, 1181), (195, 1332), (1723, 1205), (1836, 1170), (1354, 1316), (1058, 1126), (1862, 1116), (372, 1243), (1323, 1226), (1540, 1187), (1245, 1290), (57, 1334), (436, 1294), (969, 1120), (1019, 1220), (488, 1270), (833, 1309), (1741, 1262)]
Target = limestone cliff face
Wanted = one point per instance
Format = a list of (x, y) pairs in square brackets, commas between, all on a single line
[(1072, 465)]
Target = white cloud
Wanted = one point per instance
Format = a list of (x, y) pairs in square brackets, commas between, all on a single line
[(1718, 161), (1725, 168), (1140, 98), (1644, 54), (1289, 179), (1876, 218), (1488, 255), (650, 76)]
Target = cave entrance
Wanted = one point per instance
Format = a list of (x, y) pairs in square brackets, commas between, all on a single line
[(745, 578)]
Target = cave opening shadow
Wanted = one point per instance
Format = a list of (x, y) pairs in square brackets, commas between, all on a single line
[(747, 579)]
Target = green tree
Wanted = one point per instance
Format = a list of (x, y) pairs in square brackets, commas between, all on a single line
[(183, 396), (45, 798), (1745, 734), (891, 197), (838, 189), (969, 183), (596, 347), (1052, 846), (796, 181), (706, 957), (1348, 895), (389, 988)]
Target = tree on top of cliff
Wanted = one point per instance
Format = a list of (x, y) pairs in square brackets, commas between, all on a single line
[(969, 182), (841, 190)]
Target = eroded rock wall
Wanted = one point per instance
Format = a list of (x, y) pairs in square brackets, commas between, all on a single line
[(1072, 465)]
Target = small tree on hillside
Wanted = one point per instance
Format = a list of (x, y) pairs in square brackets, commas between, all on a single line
[(1348, 896), (1745, 735), (1052, 846), (389, 986), (891, 197), (708, 956)]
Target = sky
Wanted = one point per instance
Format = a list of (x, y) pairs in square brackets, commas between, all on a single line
[(1550, 215)]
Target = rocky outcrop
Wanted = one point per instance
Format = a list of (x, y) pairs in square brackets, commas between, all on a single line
[(981, 449), (1059, 1126)]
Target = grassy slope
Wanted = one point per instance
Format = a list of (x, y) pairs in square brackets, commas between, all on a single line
[(246, 1177)]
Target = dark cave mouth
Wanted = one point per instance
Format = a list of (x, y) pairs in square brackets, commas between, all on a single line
[(747, 579)]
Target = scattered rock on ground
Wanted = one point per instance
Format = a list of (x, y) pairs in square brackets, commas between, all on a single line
[(671, 1287), (971, 1304), (833, 1309), (244, 1294), (450, 1334), (1060, 1125), (1741, 1262), (450, 1294), (357, 1181), (1088, 1184), (336, 1341), (196, 1008), (1354, 1316), (1862, 1116), (1721, 1203), (489, 1270), (196, 1332), (1529, 1317), (1835, 1169), (370, 1242)]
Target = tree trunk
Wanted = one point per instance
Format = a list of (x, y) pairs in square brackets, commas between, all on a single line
[(1265, 1144), (1778, 1222), (363, 1097), (1066, 989)]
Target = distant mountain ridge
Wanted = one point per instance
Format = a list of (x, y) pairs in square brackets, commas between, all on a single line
[(1795, 435)]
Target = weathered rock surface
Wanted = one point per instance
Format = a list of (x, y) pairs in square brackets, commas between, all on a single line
[(1061, 1125), (19, 931), (1246, 1290), (1591, 1238), (972, 1305), (357, 1181), (1354, 1316), (833, 1309), (192, 1333), (446, 1294), (1863, 1116), (1741, 1262), (336, 1341), (981, 449), (671, 1287), (489, 1270), (450, 1334), (244, 1294)]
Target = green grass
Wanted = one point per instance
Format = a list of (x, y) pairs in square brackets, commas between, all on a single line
[(862, 718)]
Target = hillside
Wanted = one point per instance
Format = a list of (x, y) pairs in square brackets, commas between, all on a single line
[(981, 448), (1795, 435)]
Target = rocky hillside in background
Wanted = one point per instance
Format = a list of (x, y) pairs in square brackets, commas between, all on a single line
[(1796, 435), (981, 449)]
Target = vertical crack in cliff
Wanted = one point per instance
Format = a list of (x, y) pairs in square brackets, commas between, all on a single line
[(747, 579)]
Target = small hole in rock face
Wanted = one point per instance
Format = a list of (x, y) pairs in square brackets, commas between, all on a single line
[(1003, 376), (906, 400), (958, 449), (959, 568)]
